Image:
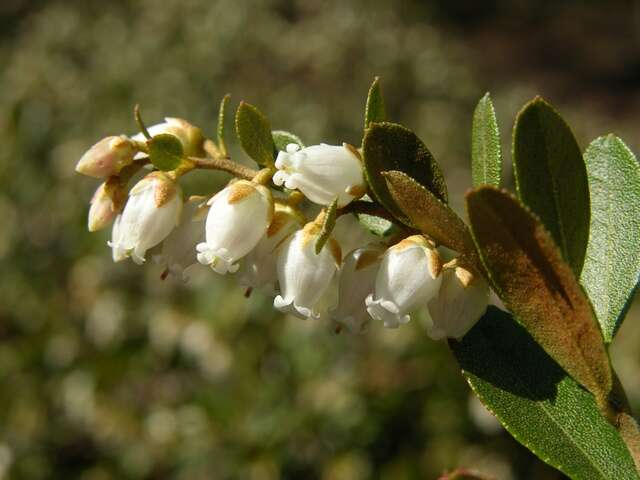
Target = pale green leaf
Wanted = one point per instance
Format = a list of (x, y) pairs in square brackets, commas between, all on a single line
[(612, 264), (486, 155)]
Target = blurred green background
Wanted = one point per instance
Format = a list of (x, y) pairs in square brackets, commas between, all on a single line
[(109, 373)]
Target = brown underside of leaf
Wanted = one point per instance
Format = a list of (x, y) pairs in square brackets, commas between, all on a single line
[(430, 215), (539, 287)]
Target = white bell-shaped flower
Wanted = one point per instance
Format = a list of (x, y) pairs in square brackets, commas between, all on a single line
[(189, 135), (408, 277), (238, 218), (322, 172), (179, 249), (151, 213), (303, 275), (107, 157), (461, 301), (258, 269), (357, 282), (106, 203)]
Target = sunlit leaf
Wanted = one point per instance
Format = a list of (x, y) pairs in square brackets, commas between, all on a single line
[(254, 133), (612, 264), (486, 155)]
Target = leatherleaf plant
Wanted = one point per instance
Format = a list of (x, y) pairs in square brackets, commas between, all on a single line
[(562, 254)]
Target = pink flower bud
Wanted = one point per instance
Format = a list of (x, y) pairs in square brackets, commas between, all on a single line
[(107, 157)]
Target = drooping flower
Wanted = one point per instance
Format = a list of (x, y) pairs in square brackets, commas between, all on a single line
[(189, 135), (303, 275), (238, 218), (179, 249), (461, 301), (106, 203), (322, 172), (151, 213), (258, 269), (357, 281), (408, 277), (107, 157)]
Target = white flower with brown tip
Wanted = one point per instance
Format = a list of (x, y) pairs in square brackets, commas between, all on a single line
[(461, 301), (322, 172), (151, 213), (305, 276), (238, 218), (107, 157), (258, 269), (408, 277), (357, 281)]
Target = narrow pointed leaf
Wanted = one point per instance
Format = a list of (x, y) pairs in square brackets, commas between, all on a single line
[(429, 214), (281, 139), (389, 146), (486, 155), (254, 133), (538, 286), (538, 403), (328, 224), (374, 110), (220, 130), (551, 177), (612, 264)]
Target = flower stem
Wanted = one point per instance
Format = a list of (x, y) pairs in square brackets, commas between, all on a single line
[(224, 165), (367, 208)]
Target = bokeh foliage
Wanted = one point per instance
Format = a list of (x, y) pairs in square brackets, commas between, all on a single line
[(108, 372)]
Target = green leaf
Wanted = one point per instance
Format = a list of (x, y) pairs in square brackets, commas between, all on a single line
[(428, 214), (539, 287), (374, 111), (389, 146), (165, 151), (254, 133), (281, 139), (328, 224), (551, 177), (221, 114), (377, 225), (612, 264), (486, 155), (541, 406)]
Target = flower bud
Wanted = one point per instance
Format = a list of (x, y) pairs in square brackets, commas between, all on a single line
[(189, 135), (106, 203), (258, 269), (304, 276), (322, 172), (238, 218), (357, 281), (107, 157), (179, 248), (409, 276), (152, 211), (461, 301)]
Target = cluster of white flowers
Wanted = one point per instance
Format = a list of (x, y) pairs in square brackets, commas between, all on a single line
[(264, 238)]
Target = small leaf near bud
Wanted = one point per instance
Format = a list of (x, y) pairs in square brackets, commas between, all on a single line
[(254, 133), (165, 151), (281, 139)]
